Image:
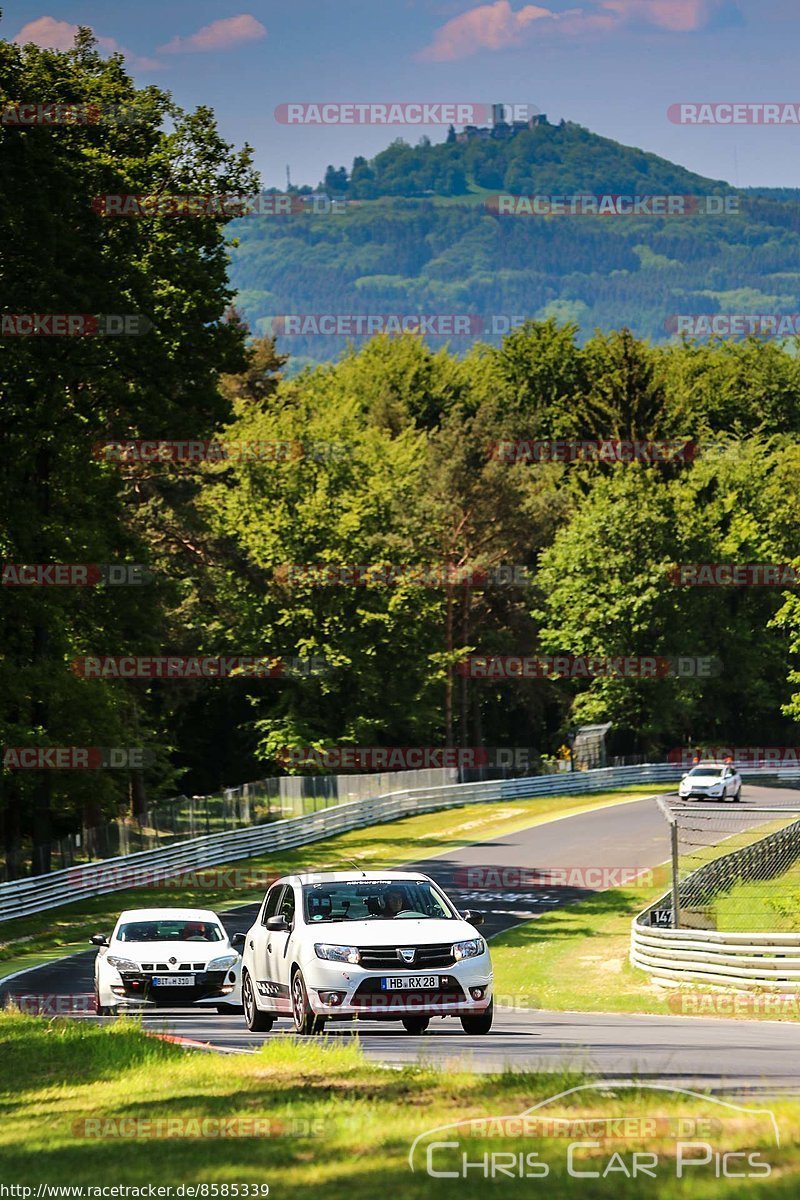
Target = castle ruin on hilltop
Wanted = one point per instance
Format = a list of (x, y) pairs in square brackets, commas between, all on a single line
[(500, 127)]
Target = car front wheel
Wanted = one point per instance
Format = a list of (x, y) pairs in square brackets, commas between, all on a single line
[(416, 1024), (479, 1022), (305, 1022), (256, 1021)]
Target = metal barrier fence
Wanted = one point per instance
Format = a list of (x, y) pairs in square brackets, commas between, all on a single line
[(762, 962), (23, 897), (186, 817)]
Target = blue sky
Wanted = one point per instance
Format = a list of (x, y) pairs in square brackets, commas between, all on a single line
[(612, 65)]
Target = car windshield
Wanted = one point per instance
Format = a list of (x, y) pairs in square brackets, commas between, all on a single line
[(170, 930), (706, 771), (366, 900)]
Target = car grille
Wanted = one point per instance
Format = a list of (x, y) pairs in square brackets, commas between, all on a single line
[(166, 967), (383, 957)]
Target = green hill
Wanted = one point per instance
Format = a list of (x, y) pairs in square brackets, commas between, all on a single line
[(416, 231)]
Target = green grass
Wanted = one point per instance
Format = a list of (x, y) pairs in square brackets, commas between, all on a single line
[(763, 906), (575, 959), (329, 1124), (69, 927)]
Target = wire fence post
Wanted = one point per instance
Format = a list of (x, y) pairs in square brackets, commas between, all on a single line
[(676, 913)]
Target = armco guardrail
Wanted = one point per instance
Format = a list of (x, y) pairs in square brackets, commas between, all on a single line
[(766, 962), (24, 897)]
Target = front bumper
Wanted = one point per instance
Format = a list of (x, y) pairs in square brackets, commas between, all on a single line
[(137, 991), (463, 988)]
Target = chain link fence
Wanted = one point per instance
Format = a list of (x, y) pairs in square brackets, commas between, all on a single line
[(735, 868), (253, 803)]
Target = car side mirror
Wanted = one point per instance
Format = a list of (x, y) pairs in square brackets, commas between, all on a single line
[(98, 939), (237, 941), (277, 924), (473, 916)]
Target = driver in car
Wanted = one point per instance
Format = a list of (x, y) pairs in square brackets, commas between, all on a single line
[(395, 902)]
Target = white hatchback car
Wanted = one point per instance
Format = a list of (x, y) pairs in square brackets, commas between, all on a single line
[(388, 946), (167, 958), (711, 781)]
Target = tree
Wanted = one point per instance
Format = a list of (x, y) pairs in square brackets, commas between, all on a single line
[(61, 396), (336, 180)]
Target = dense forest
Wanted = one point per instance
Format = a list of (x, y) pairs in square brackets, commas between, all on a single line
[(416, 230), (385, 457)]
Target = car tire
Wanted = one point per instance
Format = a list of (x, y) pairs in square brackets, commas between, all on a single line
[(416, 1025), (255, 1020), (305, 1022), (479, 1023), (738, 797)]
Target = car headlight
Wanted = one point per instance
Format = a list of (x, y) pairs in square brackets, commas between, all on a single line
[(122, 964), (468, 949), (224, 963), (348, 954)]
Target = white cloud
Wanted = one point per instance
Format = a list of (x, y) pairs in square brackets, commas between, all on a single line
[(51, 34), (497, 26), (219, 35)]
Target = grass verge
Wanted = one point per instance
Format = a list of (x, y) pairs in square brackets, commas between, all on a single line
[(89, 1105), (69, 927)]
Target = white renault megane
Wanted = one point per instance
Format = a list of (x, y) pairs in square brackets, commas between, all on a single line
[(388, 946), (167, 957)]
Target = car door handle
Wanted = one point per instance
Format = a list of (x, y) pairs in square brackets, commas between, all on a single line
[(269, 947), (251, 943)]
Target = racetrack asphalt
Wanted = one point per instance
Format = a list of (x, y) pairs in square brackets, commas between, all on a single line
[(590, 848)]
